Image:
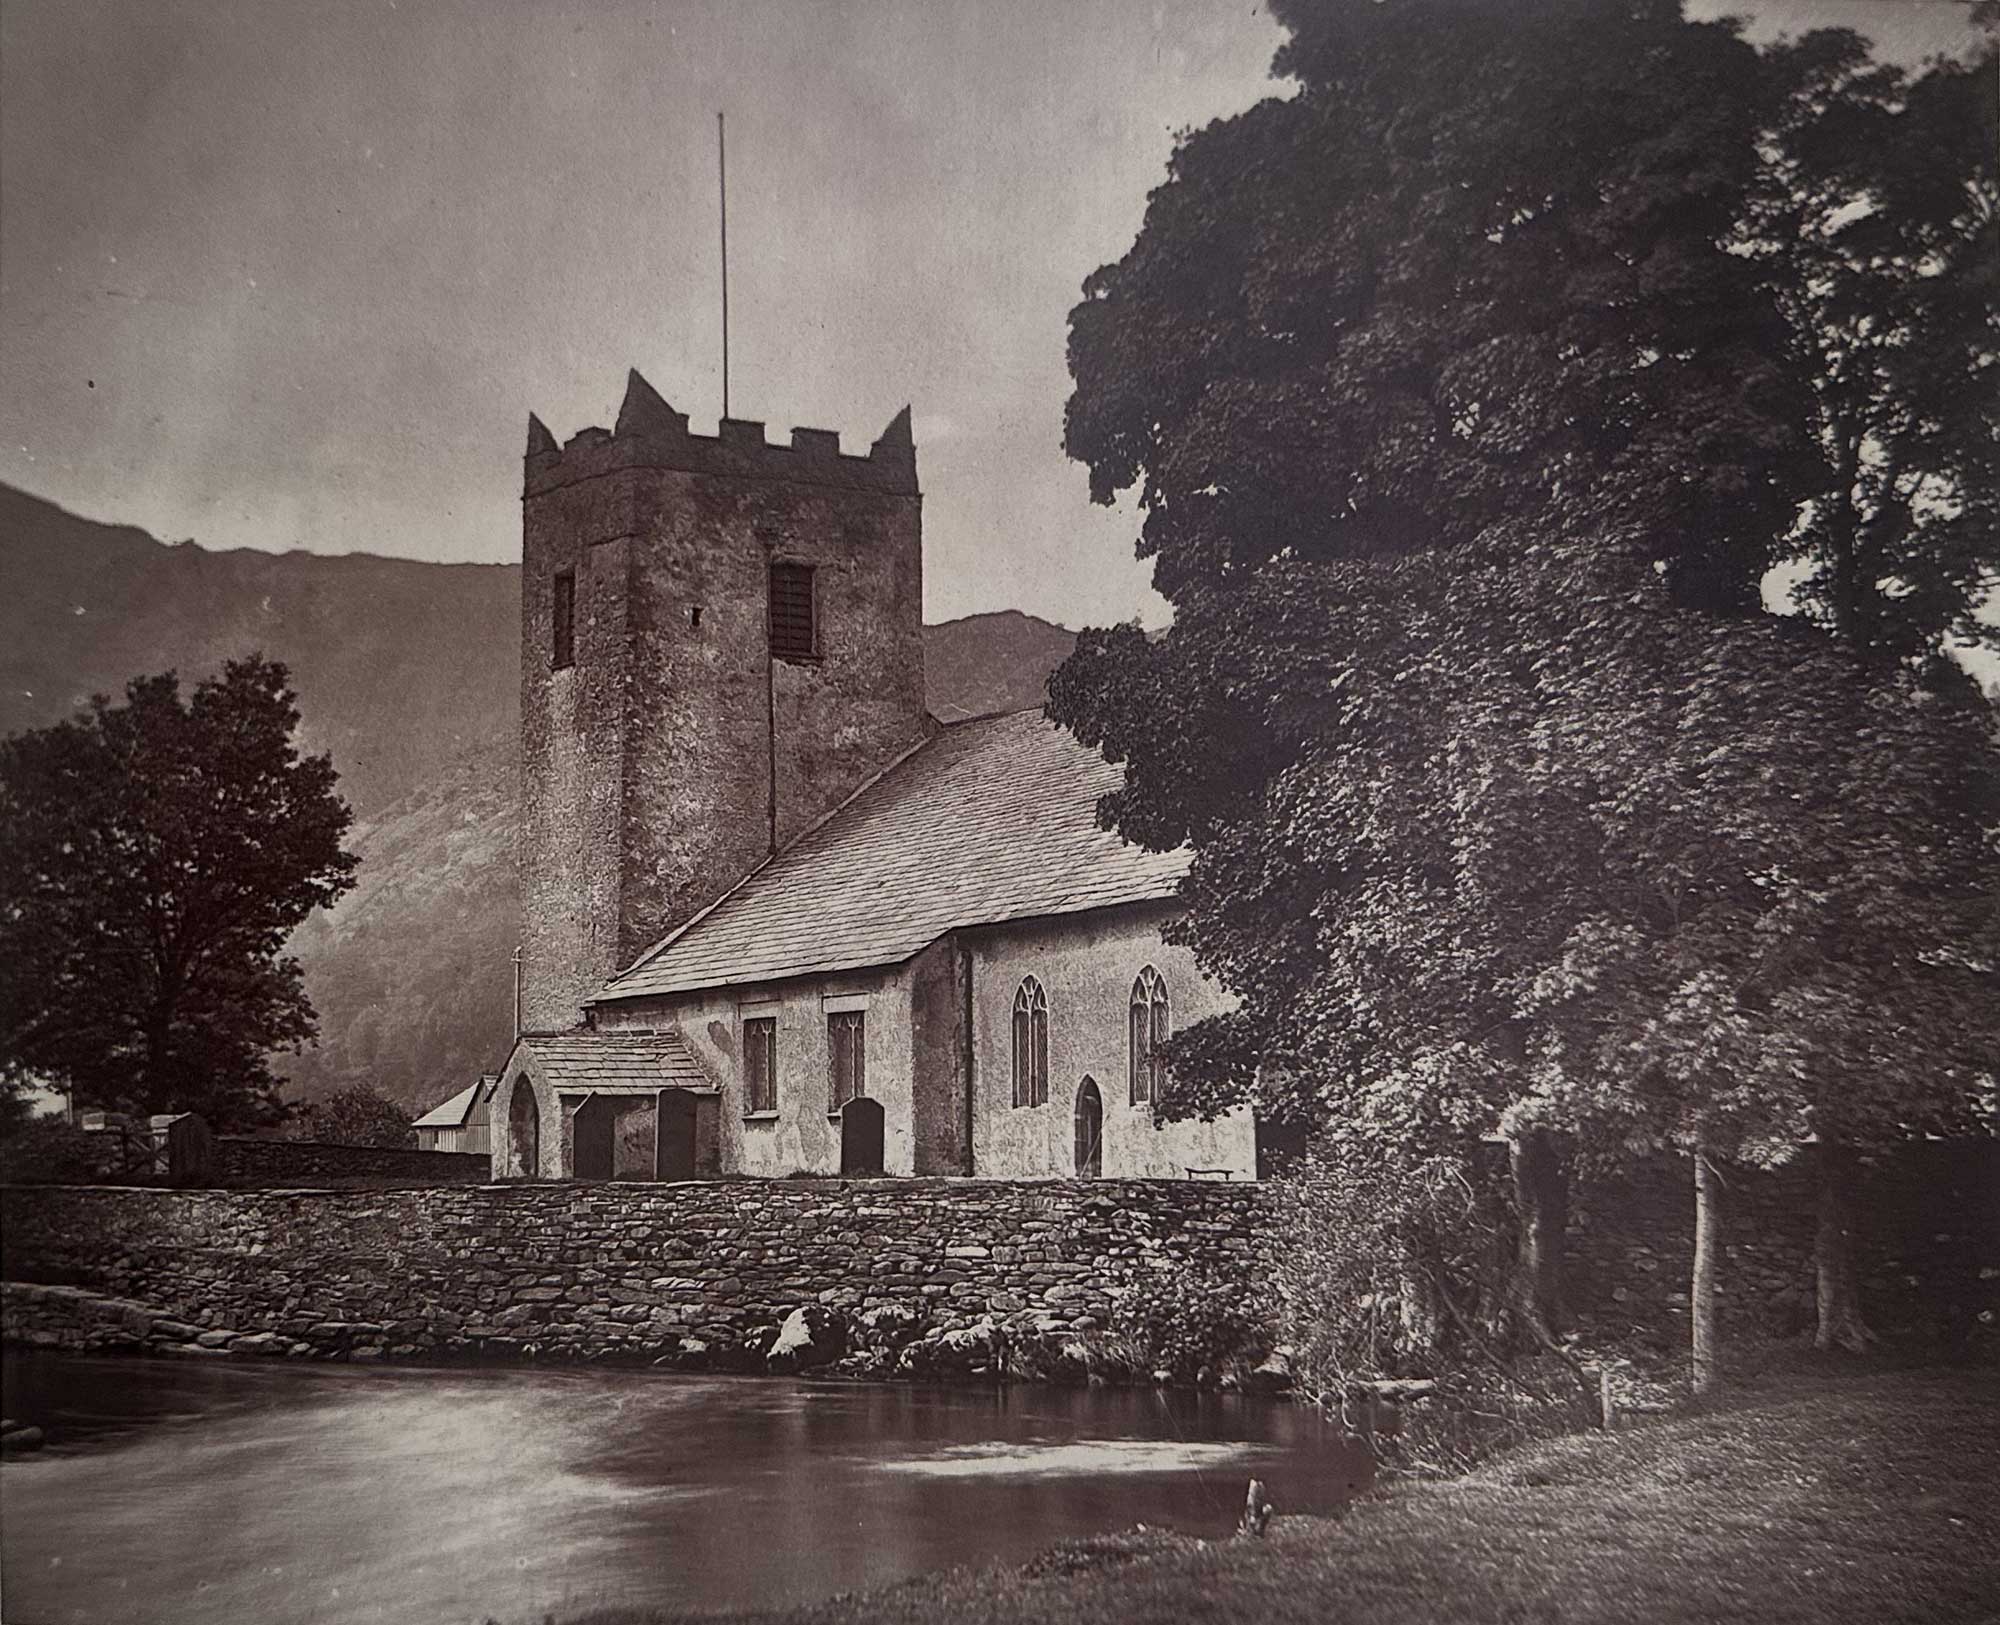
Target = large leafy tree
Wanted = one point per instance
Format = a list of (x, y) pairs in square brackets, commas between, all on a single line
[(1474, 265), (1469, 278), (1784, 924), (1437, 382), (154, 856), (1876, 215), (1619, 871)]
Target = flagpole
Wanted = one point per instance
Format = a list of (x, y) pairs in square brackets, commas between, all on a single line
[(722, 183)]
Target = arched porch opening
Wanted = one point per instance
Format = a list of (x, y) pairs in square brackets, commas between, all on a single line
[(524, 1131)]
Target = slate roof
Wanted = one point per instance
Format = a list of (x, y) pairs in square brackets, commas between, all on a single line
[(458, 1111), (989, 820), (453, 1112), (619, 1062)]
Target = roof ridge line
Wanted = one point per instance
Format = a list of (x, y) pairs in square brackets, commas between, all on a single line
[(995, 716), (786, 850)]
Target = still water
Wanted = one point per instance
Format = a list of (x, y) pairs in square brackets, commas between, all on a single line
[(281, 1495)]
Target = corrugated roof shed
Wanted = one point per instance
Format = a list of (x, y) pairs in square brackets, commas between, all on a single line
[(989, 820), (619, 1062)]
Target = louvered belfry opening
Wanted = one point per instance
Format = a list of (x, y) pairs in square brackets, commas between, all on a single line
[(794, 636), (562, 643)]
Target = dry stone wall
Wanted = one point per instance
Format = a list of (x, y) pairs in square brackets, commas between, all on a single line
[(904, 1277), (246, 1161), (894, 1277)]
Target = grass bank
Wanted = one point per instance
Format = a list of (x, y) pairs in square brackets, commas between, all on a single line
[(1802, 1496)]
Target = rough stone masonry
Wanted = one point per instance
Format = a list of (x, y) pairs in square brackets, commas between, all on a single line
[(914, 1278), (902, 1277)]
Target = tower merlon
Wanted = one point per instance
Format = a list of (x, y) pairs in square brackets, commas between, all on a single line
[(650, 433), (898, 439), (644, 412)]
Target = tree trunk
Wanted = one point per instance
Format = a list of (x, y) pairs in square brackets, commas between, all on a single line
[(1841, 1325), (150, 1093), (1541, 1198), (1421, 1314), (1701, 1291)]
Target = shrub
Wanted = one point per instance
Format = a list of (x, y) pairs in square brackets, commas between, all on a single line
[(356, 1116), (1376, 1248), (1400, 1266), (1180, 1321), (50, 1151)]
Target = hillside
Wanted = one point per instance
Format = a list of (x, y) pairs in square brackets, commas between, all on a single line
[(408, 673), (398, 664)]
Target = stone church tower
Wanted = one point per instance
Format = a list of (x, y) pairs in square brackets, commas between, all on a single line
[(720, 641)]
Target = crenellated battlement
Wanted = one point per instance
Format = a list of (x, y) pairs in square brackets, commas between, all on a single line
[(651, 434)]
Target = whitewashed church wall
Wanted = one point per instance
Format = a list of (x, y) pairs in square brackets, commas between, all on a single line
[(1086, 965), (801, 1135)]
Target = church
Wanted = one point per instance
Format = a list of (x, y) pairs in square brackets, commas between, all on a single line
[(779, 919)]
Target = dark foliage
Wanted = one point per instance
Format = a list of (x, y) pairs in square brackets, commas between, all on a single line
[(154, 856), (1475, 264), (1191, 1325), (1876, 219), (49, 1151), (1467, 425), (355, 1116)]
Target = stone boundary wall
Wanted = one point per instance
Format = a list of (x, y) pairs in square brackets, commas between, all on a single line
[(67, 1317), (240, 1160), (906, 1277), (901, 1277), (114, 1157)]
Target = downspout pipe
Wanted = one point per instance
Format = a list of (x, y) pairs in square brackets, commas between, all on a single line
[(966, 1048), (770, 700)]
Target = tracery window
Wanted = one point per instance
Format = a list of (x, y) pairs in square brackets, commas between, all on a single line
[(1150, 1024), (847, 1055), (760, 1064), (1031, 1044)]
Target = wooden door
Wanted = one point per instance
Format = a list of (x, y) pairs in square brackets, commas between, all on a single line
[(1089, 1130)]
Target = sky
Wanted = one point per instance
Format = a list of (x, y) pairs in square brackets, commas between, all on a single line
[(292, 274)]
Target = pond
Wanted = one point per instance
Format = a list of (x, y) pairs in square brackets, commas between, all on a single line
[(189, 1491)]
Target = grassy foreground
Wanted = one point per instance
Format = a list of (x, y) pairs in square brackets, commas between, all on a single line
[(1864, 1497)]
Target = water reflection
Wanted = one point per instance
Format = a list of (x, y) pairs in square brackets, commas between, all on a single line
[(177, 1491)]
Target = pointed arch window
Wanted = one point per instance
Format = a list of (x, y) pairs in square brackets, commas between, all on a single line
[(1150, 1024), (1031, 1044)]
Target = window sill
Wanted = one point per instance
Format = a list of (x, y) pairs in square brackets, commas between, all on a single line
[(760, 1117)]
